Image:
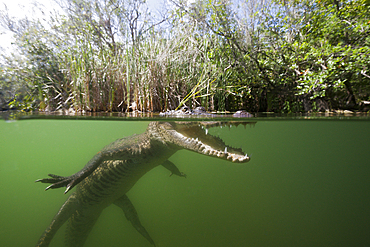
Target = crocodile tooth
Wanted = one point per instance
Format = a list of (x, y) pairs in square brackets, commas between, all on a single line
[(225, 150), (221, 154), (196, 139), (206, 131)]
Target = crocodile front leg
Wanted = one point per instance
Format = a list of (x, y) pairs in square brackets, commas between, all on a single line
[(71, 181), (173, 169), (131, 215)]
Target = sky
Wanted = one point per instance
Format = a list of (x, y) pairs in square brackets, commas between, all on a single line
[(21, 8)]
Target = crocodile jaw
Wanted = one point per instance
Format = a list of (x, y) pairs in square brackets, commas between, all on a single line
[(194, 136), (199, 147)]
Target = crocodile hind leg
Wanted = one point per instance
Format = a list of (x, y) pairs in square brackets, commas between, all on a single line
[(60, 218), (131, 215)]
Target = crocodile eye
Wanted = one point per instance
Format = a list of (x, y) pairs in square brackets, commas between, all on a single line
[(166, 126)]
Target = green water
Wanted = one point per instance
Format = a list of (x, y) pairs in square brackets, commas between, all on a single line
[(307, 184)]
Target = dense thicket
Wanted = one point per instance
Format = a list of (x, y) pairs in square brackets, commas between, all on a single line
[(113, 55)]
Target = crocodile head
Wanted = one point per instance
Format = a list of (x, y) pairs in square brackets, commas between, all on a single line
[(194, 136)]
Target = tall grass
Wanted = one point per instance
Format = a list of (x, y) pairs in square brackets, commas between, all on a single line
[(162, 70), (154, 75)]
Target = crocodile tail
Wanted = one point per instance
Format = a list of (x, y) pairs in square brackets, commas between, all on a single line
[(60, 218), (79, 226)]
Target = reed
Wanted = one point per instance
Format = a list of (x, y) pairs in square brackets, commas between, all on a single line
[(157, 72)]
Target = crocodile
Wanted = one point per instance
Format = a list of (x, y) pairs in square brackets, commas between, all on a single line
[(113, 171), (201, 112)]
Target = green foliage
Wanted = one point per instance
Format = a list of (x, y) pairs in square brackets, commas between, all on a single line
[(333, 53)]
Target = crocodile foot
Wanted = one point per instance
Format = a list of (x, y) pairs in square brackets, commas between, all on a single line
[(181, 174), (59, 181)]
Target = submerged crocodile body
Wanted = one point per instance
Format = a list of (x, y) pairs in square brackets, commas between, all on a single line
[(111, 173)]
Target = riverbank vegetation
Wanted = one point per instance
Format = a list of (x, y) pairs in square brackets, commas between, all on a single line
[(115, 55)]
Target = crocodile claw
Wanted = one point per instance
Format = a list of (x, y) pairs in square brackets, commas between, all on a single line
[(181, 174), (58, 181)]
